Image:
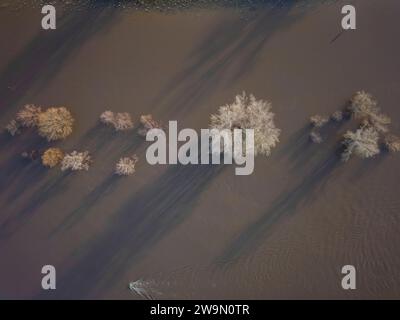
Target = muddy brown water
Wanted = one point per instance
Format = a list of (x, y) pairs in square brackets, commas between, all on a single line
[(200, 231)]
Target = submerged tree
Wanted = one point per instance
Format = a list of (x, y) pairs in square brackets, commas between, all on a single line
[(337, 116), (316, 137), (364, 107), (28, 116), (379, 121), (52, 157), (107, 117), (126, 166), (121, 121), (13, 127), (30, 155), (249, 113), (55, 123), (76, 161), (147, 123), (363, 143), (392, 143), (363, 104), (318, 121)]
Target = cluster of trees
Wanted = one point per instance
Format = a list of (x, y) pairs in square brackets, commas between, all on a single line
[(122, 121), (57, 123), (372, 134), (52, 124), (317, 122), (77, 161)]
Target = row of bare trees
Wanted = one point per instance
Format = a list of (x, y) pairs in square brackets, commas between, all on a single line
[(246, 112), (57, 124)]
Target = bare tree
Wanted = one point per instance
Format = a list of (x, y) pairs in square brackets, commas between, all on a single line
[(28, 116), (316, 137), (13, 127), (318, 121), (121, 121), (55, 123), (249, 113), (392, 143), (364, 107), (76, 161), (52, 157), (147, 123), (337, 116), (126, 166), (363, 143)]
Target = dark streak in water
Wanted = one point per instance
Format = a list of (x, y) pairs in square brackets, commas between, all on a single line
[(136, 226)]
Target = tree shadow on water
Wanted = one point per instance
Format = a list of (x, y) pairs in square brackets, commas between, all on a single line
[(226, 54), (5, 140), (316, 164), (92, 199), (370, 164), (51, 188), (18, 175), (137, 225), (16, 172), (283, 206), (106, 187), (43, 57)]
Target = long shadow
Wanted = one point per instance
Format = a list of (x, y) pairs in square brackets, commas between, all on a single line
[(370, 164), (5, 140), (30, 176), (32, 173), (20, 175), (136, 226), (305, 152), (14, 168), (229, 51), (44, 56), (96, 138), (106, 186), (295, 144), (285, 205), (49, 189), (317, 163), (93, 198)]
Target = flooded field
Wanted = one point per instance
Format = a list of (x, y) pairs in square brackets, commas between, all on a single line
[(199, 231)]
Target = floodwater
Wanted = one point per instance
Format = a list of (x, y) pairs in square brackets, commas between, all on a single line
[(199, 232)]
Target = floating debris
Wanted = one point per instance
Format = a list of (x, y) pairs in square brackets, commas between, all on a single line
[(140, 287)]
